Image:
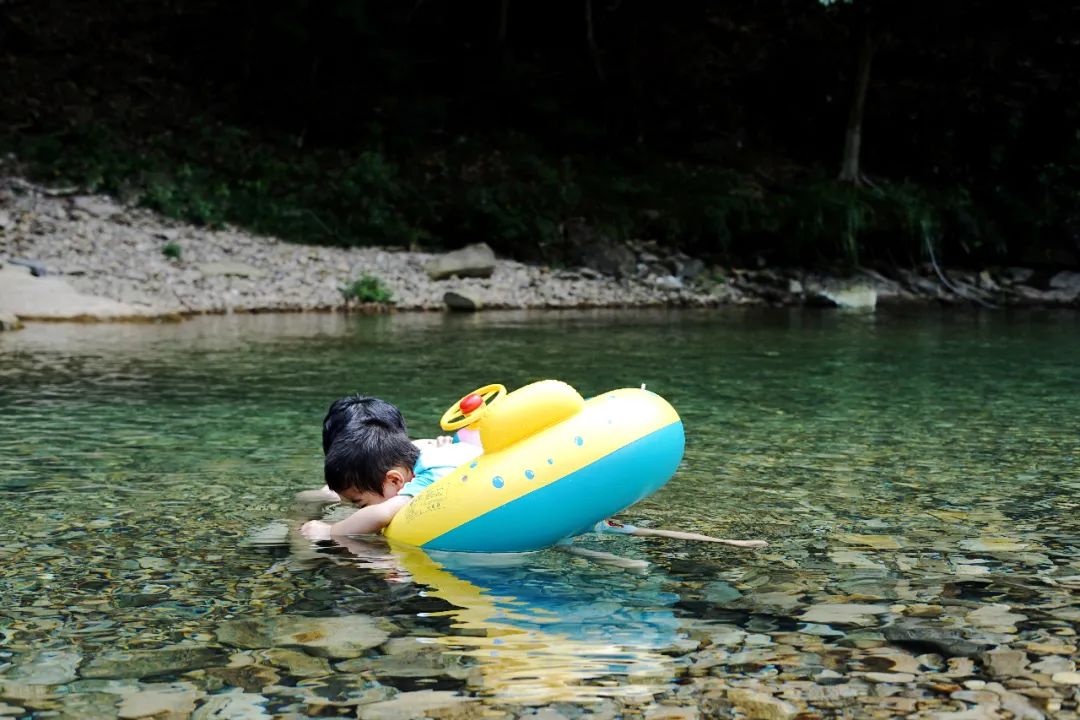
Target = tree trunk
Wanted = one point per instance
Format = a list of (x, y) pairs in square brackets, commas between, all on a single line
[(849, 166), (504, 15), (590, 39)]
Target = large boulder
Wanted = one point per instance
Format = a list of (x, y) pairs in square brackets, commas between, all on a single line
[(476, 260), (52, 298), (9, 321), (1068, 282), (463, 300), (854, 296)]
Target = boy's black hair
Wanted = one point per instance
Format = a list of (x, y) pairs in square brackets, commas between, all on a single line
[(355, 411), (362, 453)]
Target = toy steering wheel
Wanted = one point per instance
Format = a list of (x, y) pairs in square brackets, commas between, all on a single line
[(471, 408)]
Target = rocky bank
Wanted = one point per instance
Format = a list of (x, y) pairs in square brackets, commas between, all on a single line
[(88, 257)]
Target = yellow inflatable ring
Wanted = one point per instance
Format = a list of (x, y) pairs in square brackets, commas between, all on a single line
[(553, 465)]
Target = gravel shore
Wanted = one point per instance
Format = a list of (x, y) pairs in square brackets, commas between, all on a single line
[(115, 255), (107, 250)]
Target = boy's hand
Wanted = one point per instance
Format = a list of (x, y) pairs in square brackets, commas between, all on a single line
[(315, 530), (435, 442)]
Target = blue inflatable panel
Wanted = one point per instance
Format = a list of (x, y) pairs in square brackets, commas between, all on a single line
[(576, 502)]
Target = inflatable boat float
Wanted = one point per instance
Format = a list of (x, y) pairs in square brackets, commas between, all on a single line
[(553, 465)]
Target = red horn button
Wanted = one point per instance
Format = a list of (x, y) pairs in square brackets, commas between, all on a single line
[(470, 403)]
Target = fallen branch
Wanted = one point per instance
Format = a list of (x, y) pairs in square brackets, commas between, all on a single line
[(945, 281)]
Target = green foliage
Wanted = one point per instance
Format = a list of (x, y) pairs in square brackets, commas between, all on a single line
[(366, 289), (191, 194), (824, 221), (512, 200), (519, 199), (210, 174), (347, 123), (172, 250), (371, 201)]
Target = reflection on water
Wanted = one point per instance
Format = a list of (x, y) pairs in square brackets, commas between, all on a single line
[(535, 627), (540, 627), (916, 476)]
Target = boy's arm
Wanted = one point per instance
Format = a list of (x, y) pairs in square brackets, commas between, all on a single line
[(364, 521), (372, 518)]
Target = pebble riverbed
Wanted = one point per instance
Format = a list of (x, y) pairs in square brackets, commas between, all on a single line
[(923, 558)]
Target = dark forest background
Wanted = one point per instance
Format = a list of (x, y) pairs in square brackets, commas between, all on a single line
[(724, 129)]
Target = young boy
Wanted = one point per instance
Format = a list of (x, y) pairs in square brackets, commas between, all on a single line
[(354, 412), (378, 468), (363, 438), (370, 462)]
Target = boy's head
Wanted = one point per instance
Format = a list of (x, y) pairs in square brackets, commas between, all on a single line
[(368, 461), (357, 410)]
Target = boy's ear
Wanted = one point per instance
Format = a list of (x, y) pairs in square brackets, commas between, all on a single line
[(396, 477)]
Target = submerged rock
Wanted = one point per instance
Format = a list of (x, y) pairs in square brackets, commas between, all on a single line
[(333, 637), (422, 703), (296, 663), (950, 642), (77, 706), (409, 657), (251, 678), (995, 616), (877, 542), (993, 544), (1053, 664), (1066, 678), (842, 614), (160, 701), (45, 667), (246, 633), (760, 706), (234, 704), (159, 661)]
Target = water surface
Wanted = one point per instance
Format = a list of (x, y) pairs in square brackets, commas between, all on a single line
[(909, 470)]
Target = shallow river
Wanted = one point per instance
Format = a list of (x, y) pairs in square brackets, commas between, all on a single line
[(916, 475)]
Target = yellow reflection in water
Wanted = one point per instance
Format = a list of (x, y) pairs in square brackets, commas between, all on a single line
[(538, 641)]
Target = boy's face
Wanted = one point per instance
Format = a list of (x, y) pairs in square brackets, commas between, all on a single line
[(392, 484)]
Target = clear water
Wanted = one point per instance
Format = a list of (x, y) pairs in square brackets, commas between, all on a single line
[(147, 475)]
